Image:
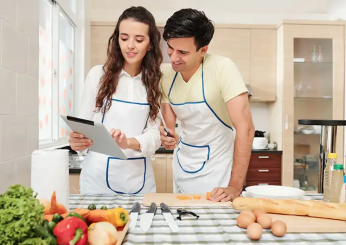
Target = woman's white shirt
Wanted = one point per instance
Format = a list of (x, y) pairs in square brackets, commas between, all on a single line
[(129, 89)]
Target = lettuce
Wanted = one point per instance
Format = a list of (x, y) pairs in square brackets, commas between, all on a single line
[(20, 212)]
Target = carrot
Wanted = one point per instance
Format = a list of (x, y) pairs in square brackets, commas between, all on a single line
[(61, 209), (48, 217), (53, 204), (208, 195), (183, 197), (83, 212), (98, 215), (64, 215), (116, 216), (54, 207), (196, 197)]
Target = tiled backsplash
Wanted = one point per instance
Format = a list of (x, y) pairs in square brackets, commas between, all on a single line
[(19, 52)]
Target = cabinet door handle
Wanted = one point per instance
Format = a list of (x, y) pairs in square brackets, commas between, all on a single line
[(262, 183), (263, 170), (263, 157)]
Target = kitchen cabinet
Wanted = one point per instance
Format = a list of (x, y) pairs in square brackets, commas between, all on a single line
[(100, 35), (169, 173), (160, 172), (162, 167), (253, 50), (310, 85), (74, 183), (234, 44), (264, 169), (263, 65)]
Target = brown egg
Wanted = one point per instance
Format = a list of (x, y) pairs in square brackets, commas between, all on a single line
[(265, 221), (258, 212), (279, 228), (249, 213), (244, 220), (254, 231)]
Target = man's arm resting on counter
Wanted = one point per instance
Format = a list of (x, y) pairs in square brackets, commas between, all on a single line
[(240, 115)]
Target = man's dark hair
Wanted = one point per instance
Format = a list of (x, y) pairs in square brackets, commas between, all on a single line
[(189, 23)]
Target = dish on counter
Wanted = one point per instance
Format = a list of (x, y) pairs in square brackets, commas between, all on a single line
[(274, 192)]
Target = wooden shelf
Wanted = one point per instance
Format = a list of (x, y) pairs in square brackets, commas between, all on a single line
[(296, 133)]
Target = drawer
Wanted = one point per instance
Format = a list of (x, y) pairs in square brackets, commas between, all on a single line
[(265, 160), (268, 174), (251, 183)]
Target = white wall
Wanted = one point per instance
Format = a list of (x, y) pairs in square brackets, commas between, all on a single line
[(260, 116), (19, 22)]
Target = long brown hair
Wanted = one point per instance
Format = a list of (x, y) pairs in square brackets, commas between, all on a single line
[(151, 72)]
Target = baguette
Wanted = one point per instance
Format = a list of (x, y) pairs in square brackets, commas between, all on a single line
[(318, 209)]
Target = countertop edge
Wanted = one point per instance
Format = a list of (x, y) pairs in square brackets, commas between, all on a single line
[(164, 151)]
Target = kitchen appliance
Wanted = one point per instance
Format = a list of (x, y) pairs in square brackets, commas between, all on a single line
[(147, 218), (135, 211), (171, 200), (260, 142), (169, 217)]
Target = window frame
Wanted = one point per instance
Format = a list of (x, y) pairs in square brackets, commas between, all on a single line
[(61, 6)]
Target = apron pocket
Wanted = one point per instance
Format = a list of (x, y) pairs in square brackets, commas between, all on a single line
[(126, 176), (192, 158)]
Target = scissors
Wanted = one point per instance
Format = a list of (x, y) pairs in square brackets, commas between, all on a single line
[(164, 125)]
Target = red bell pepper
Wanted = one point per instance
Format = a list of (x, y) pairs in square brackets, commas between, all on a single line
[(71, 231)]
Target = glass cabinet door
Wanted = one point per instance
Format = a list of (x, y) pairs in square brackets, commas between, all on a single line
[(313, 99)]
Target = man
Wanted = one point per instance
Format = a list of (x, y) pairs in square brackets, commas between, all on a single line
[(207, 94)]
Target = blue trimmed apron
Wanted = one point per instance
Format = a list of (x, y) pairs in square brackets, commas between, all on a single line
[(102, 174), (203, 158)]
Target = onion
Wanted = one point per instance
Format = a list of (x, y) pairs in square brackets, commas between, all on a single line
[(46, 205), (102, 233)]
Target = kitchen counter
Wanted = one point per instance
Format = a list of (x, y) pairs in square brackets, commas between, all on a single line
[(218, 222), (162, 150), (267, 151)]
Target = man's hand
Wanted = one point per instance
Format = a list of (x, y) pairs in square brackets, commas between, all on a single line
[(119, 138), (167, 142), (226, 194)]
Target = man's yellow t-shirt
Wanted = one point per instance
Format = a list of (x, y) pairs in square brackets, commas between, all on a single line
[(222, 82)]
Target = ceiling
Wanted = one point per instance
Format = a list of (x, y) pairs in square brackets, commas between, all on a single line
[(233, 6)]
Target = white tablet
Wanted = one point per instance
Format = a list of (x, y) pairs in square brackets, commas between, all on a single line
[(102, 141)]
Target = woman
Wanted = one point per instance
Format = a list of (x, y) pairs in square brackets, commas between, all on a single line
[(124, 95)]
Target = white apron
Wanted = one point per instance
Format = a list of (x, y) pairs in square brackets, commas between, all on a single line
[(102, 174), (203, 158)]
